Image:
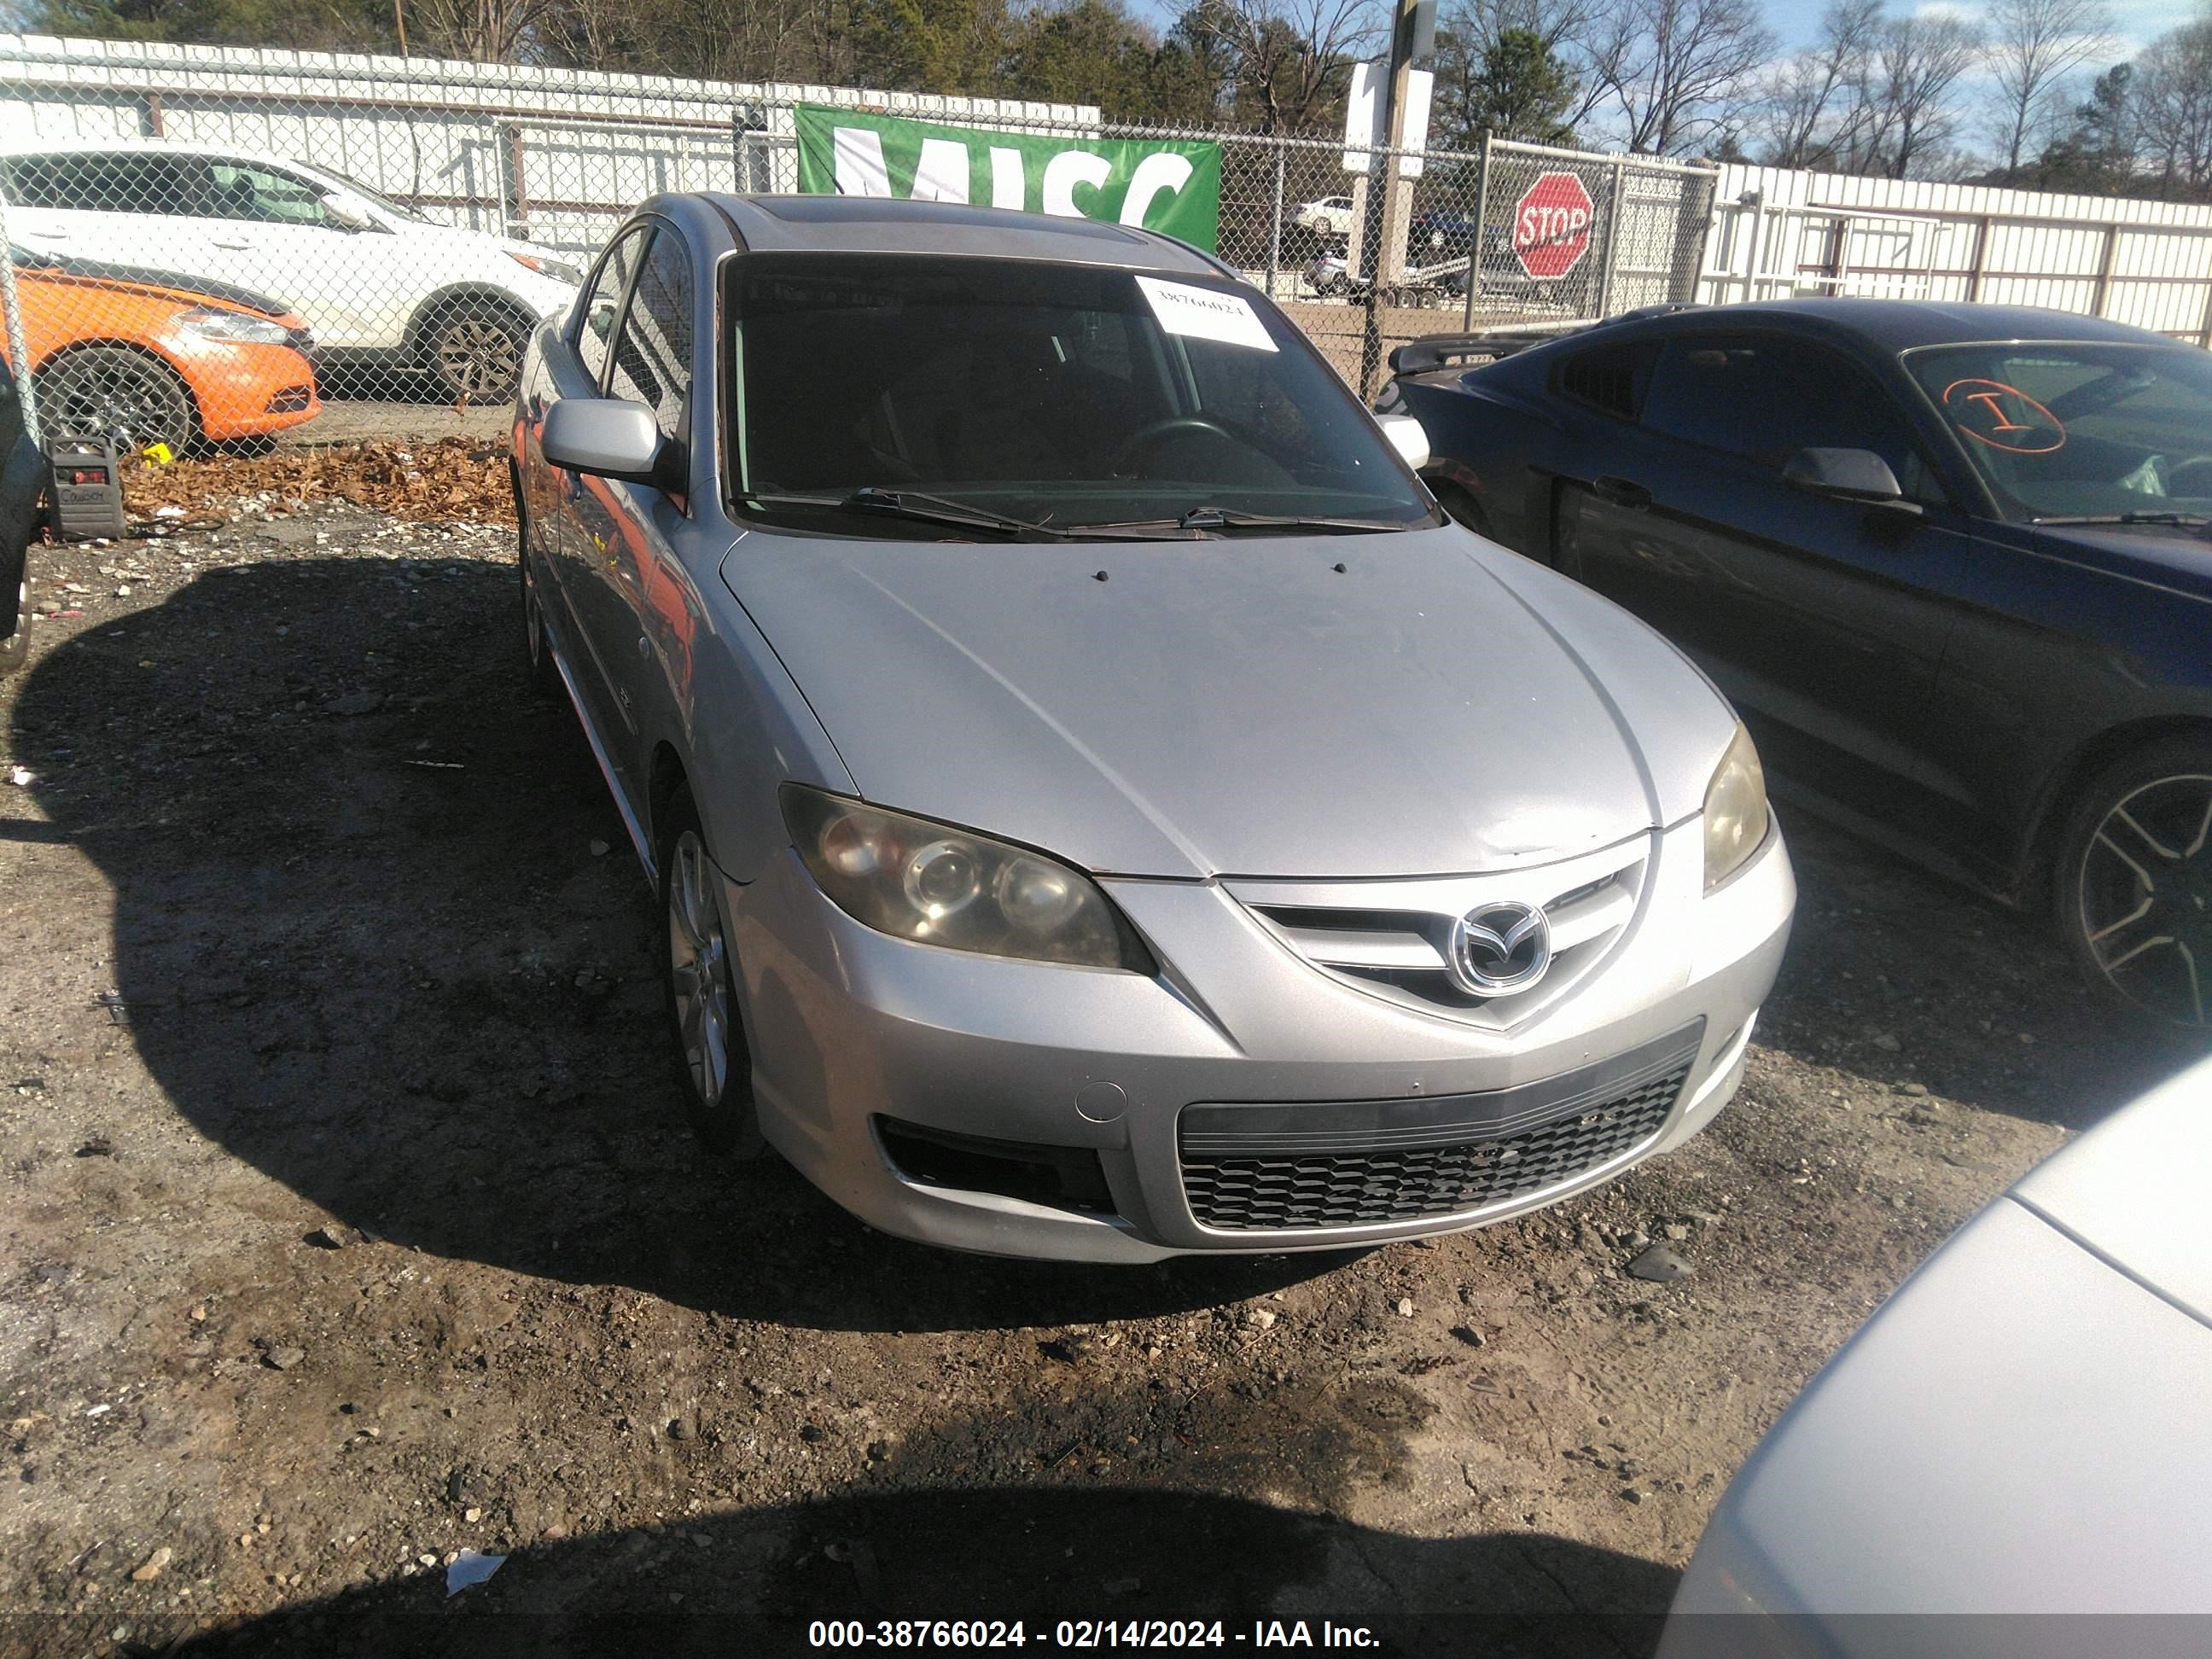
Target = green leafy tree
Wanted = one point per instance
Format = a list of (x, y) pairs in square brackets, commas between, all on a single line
[(1516, 87), (317, 26)]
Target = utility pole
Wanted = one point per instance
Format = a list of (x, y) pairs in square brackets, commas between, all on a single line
[(399, 22), (1412, 41)]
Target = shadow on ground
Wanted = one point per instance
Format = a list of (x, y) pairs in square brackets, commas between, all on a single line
[(757, 1582), (365, 944)]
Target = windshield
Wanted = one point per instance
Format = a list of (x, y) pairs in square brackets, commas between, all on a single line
[(1063, 395), (2074, 430)]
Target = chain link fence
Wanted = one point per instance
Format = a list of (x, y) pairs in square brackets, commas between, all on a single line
[(214, 247)]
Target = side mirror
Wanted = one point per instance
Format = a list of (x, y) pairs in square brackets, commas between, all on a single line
[(1407, 438), (1847, 475), (346, 208), (606, 437)]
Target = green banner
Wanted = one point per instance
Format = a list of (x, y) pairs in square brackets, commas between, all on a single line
[(1164, 185)]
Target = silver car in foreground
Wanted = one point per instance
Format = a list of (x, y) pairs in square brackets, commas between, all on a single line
[(2024, 1429), (1100, 808)]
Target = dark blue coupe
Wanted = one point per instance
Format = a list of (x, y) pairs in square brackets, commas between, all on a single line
[(1951, 562)]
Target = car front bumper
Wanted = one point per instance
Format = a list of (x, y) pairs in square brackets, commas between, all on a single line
[(852, 1031)]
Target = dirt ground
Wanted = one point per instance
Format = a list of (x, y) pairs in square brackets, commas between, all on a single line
[(349, 1223)]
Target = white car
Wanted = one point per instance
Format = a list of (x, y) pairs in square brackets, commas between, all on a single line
[(379, 285), (1329, 217), (2021, 1430)]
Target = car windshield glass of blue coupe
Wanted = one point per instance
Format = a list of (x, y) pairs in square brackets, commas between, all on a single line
[(2079, 429), (1066, 395)]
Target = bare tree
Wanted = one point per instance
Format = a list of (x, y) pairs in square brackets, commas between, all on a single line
[(1919, 61), (1680, 70), (1294, 57), (1815, 102), (484, 31), (1556, 23), (2173, 105), (2034, 45)]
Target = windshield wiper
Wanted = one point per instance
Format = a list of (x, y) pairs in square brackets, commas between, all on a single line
[(2124, 518), (913, 504), (1226, 518)]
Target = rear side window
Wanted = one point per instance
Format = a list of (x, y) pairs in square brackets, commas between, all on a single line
[(1611, 378), (102, 182), (602, 304), (652, 358)]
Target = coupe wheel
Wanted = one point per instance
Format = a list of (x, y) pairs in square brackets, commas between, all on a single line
[(475, 350), (135, 399), (539, 669), (712, 1062), (2134, 887)]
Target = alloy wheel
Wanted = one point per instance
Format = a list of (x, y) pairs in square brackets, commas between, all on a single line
[(479, 356), (2144, 897), (698, 961)]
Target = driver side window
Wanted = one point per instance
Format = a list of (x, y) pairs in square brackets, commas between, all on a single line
[(262, 195), (601, 305), (1765, 397)]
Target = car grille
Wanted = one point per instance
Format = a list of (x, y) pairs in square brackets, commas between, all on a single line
[(1389, 938), (1349, 1165)]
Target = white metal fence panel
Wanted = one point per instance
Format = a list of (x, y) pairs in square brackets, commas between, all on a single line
[(2147, 263)]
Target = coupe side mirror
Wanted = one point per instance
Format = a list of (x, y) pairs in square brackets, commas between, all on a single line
[(1408, 438), (343, 207), (606, 437), (1847, 475)]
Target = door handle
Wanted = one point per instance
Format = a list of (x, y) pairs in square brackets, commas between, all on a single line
[(1621, 493), (236, 248)]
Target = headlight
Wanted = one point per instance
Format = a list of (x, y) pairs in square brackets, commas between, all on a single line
[(559, 269), (233, 327), (928, 882), (1735, 810)]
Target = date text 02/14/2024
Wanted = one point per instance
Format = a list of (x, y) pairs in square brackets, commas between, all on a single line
[(1079, 1634)]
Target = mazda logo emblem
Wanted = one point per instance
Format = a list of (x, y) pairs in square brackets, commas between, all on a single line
[(1497, 948)]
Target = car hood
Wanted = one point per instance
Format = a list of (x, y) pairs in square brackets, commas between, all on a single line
[(2127, 1188), (2171, 556), (1412, 703)]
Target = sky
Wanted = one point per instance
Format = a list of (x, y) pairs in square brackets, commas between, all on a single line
[(1796, 22)]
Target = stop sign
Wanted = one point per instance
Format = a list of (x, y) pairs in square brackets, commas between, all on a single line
[(1552, 225)]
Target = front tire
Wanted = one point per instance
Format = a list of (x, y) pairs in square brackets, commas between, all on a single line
[(713, 1065), (112, 391), (2133, 883)]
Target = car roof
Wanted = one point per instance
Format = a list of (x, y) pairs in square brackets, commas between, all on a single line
[(15, 146), (881, 224), (1894, 326)]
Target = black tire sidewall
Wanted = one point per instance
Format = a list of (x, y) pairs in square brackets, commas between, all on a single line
[(730, 1128), (2170, 757), (543, 676)]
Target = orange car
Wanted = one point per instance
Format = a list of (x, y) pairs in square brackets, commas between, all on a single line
[(153, 357)]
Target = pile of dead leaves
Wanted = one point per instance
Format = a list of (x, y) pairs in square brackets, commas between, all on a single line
[(446, 479)]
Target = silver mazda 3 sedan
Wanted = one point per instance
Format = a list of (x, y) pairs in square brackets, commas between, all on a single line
[(1100, 809)]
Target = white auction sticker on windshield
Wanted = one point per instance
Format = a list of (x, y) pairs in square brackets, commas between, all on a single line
[(1205, 313)]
